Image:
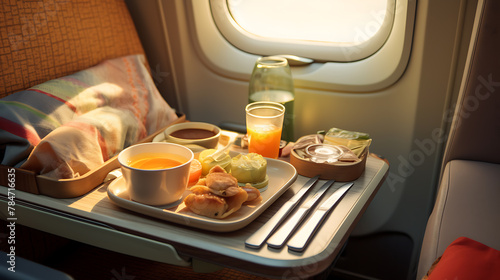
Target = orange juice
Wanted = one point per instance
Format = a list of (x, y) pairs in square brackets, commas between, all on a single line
[(154, 161), (264, 140)]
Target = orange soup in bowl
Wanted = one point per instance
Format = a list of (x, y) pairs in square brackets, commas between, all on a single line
[(155, 161)]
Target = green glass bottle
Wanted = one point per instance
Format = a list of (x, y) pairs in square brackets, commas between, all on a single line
[(272, 81)]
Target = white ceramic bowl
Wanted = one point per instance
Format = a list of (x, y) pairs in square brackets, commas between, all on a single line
[(156, 186)]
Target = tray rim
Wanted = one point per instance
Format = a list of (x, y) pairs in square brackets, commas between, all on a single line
[(201, 222)]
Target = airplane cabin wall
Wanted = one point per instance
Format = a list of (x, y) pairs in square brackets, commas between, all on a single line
[(407, 120)]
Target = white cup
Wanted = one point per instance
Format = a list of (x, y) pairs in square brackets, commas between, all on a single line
[(156, 186)]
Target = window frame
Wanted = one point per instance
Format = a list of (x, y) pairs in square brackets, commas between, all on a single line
[(319, 51), (377, 71)]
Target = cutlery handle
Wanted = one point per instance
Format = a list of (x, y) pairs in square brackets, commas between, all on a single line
[(259, 237), (279, 237), (300, 240)]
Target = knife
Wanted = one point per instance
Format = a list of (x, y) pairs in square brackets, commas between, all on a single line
[(281, 235), (300, 240), (259, 237)]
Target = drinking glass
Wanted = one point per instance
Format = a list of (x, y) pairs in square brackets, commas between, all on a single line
[(272, 81), (264, 126)]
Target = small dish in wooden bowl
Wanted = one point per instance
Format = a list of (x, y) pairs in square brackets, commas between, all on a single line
[(311, 157)]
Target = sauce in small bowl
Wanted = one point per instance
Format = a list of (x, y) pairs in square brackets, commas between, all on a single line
[(203, 134), (193, 133)]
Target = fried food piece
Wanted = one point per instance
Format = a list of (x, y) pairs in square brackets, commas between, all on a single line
[(202, 181), (221, 183), (218, 195), (253, 193), (234, 202), (206, 204), (200, 189)]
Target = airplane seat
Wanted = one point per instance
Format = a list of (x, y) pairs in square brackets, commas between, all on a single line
[(44, 40), (467, 202)]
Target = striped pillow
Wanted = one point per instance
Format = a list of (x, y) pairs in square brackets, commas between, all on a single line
[(115, 93)]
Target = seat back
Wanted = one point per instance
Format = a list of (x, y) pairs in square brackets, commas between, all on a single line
[(467, 199), (475, 130), (43, 40)]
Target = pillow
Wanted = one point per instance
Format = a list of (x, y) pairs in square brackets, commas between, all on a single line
[(101, 109), (465, 259)]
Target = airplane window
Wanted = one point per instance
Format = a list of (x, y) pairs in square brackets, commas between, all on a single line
[(358, 46), (322, 30), (318, 20)]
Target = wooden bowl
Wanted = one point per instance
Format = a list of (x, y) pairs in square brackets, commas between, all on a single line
[(339, 171)]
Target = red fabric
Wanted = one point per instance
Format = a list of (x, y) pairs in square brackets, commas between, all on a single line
[(467, 259), (24, 131), (67, 103)]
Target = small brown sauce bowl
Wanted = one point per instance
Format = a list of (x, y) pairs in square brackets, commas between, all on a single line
[(204, 134)]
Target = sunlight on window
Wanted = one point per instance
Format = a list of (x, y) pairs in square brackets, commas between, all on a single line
[(333, 21)]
